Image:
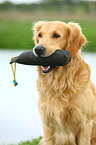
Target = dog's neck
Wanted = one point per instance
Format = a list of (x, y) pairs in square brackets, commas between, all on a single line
[(62, 79)]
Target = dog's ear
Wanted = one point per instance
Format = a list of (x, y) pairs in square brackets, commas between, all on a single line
[(75, 38), (37, 26)]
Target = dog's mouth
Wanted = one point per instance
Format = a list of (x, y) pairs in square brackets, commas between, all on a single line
[(47, 69)]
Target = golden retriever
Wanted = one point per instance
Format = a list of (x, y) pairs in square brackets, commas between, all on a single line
[(67, 97)]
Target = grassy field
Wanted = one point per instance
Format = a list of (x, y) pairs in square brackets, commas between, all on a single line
[(17, 34), (34, 142)]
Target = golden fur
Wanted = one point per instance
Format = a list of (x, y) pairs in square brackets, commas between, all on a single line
[(67, 97)]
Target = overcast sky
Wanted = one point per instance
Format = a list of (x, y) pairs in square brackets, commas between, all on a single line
[(21, 1), (28, 1)]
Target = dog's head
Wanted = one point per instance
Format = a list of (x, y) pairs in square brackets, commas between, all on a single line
[(50, 36)]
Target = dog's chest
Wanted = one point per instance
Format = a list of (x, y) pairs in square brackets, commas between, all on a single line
[(50, 112), (55, 114), (54, 106)]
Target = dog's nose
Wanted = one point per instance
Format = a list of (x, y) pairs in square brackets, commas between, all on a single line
[(40, 50)]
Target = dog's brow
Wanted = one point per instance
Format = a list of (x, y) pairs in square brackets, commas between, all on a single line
[(41, 31), (55, 31)]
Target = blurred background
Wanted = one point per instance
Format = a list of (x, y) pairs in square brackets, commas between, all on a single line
[(17, 17), (19, 117)]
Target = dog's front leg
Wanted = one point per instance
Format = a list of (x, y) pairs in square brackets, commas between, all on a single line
[(84, 135), (49, 136)]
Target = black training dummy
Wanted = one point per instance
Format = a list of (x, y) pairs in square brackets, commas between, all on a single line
[(58, 58)]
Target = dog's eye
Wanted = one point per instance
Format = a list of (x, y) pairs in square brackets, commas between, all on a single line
[(39, 35), (56, 35)]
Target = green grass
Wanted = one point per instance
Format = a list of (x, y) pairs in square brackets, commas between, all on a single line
[(34, 142), (17, 34), (89, 30)]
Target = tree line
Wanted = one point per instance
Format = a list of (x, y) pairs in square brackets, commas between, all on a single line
[(50, 5)]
